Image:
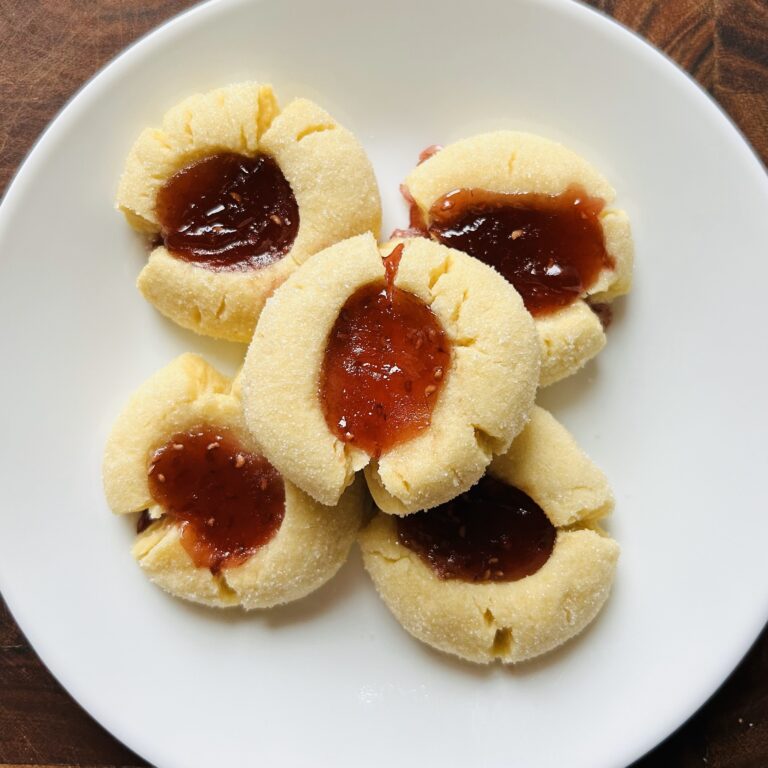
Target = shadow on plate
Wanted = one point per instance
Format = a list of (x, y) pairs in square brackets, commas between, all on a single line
[(228, 356), (340, 588), (350, 578), (570, 392), (457, 665)]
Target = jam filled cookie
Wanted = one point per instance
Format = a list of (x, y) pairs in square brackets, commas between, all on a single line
[(541, 216), (237, 194), (512, 568), (414, 362), (219, 525)]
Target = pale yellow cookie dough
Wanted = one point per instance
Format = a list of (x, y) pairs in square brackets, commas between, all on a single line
[(484, 402), (516, 620), (311, 544), (327, 169), (514, 162)]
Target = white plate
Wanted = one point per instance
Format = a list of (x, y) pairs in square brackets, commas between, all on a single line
[(674, 409)]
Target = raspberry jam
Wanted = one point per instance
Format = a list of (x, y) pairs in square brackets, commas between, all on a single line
[(492, 532), (385, 362), (228, 212), (550, 247), (227, 501)]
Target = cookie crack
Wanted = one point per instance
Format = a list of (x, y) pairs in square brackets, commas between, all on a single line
[(607, 213), (187, 127), (317, 128), (456, 313), (503, 640), (442, 269), (150, 538), (387, 558), (457, 478), (225, 590), (586, 518), (485, 442), (264, 115), (398, 476), (584, 524)]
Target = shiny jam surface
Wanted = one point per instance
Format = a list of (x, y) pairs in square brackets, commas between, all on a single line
[(228, 212), (493, 532), (228, 502), (386, 359), (550, 247)]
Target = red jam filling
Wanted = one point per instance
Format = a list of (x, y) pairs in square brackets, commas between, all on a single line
[(228, 212), (430, 151), (227, 501), (386, 359), (550, 247), (493, 532)]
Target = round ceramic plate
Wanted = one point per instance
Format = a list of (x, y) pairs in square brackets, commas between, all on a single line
[(674, 409)]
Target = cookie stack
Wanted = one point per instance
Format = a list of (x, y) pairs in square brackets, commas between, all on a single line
[(404, 373)]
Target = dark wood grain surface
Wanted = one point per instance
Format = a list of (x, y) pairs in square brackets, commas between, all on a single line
[(50, 47)]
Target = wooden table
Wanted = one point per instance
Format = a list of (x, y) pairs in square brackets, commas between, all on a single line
[(50, 47)]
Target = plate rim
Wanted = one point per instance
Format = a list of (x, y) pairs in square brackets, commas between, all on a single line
[(80, 99)]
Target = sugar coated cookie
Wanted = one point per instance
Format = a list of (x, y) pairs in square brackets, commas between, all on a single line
[(413, 361), (237, 194), (218, 523), (542, 216), (512, 568)]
